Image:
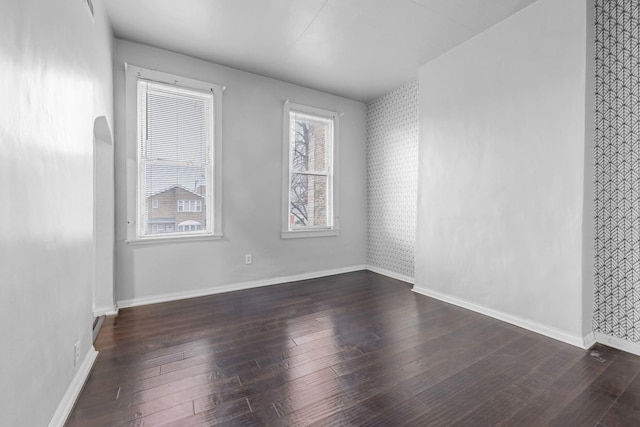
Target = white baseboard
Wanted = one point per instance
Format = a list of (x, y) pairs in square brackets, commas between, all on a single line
[(589, 340), (391, 274), (96, 328), (505, 317), (105, 311), (619, 343), (234, 287), (73, 391)]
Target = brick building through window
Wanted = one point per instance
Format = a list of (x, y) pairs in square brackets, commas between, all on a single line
[(176, 209)]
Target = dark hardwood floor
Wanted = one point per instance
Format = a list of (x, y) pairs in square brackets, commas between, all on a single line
[(352, 349)]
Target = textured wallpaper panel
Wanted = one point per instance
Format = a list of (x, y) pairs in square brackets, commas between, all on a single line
[(617, 151), (392, 179)]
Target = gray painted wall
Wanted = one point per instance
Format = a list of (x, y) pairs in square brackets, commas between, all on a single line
[(56, 79), (392, 180), (104, 230), (502, 170), (252, 171)]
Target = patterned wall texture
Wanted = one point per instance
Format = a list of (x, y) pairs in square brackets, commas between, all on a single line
[(392, 179), (617, 166)]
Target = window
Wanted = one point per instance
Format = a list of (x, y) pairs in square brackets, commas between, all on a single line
[(189, 226), (189, 205), (309, 181), (176, 135)]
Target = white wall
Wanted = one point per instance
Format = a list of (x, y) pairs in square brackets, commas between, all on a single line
[(588, 211), (252, 170), (104, 218), (502, 170), (56, 78)]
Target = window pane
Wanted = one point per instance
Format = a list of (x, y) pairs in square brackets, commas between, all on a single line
[(309, 138), (308, 201), (180, 192)]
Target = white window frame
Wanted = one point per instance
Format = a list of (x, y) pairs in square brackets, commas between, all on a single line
[(133, 170), (332, 229), (155, 204)]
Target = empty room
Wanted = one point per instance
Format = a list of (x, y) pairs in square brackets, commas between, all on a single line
[(320, 212)]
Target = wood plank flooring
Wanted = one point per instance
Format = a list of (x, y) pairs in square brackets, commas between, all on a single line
[(352, 349)]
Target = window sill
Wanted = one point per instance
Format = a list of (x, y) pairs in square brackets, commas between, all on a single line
[(296, 234), (174, 239)]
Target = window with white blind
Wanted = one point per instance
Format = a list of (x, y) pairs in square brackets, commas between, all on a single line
[(309, 199), (177, 144)]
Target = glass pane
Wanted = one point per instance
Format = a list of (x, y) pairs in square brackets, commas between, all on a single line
[(309, 140), (180, 195), (308, 198)]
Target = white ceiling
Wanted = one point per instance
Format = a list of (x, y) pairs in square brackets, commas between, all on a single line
[(360, 49)]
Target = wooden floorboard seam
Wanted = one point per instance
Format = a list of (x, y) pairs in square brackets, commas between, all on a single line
[(353, 349)]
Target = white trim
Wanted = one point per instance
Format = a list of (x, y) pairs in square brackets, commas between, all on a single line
[(332, 174), (295, 234), (311, 111), (183, 237), (285, 170), (619, 343), (391, 274), (505, 317), (235, 287), (589, 340), (214, 181), (96, 328), (109, 310), (73, 391)]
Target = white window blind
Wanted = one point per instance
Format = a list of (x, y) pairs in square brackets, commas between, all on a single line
[(175, 158)]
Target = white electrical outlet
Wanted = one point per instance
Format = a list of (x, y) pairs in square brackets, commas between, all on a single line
[(248, 259), (76, 353)]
